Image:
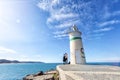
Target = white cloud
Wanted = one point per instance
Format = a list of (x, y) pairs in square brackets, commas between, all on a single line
[(60, 32), (95, 36), (61, 16), (104, 29), (6, 50), (67, 24), (47, 5), (107, 14), (44, 5), (60, 12), (60, 36), (101, 34), (115, 13), (109, 23), (85, 14)]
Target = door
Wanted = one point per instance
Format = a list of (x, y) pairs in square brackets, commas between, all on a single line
[(78, 56)]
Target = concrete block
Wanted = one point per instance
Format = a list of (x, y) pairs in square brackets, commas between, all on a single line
[(88, 72)]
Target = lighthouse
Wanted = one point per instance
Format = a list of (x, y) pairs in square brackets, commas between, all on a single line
[(77, 55)]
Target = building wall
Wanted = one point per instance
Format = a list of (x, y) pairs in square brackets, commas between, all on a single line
[(76, 56)]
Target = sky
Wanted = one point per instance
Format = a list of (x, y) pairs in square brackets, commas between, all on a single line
[(35, 30)]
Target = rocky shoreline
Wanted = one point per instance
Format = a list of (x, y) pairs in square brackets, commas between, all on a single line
[(49, 75)]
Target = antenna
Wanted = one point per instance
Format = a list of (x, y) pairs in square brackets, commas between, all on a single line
[(74, 28)]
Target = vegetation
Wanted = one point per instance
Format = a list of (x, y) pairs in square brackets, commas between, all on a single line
[(16, 61)]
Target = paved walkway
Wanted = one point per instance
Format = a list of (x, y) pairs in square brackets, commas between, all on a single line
[(88, 72)]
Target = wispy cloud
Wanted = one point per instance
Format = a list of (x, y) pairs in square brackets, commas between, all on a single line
[(115, 13), (61, 16), (48, 5), (98, 35), (88, 15), (67, 24), (60, 32), (104, 29), (60, 36), (108, 14), (109, 23), (6, 50)]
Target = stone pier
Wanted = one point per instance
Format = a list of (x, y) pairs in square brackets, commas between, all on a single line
[(88, 72)]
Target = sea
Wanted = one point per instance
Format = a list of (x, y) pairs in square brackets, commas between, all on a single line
[(16, 71)]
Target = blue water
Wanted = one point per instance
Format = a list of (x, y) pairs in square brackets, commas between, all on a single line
[(105, 63), (19, 70)]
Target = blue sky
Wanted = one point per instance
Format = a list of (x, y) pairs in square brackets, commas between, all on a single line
[(33, 30)]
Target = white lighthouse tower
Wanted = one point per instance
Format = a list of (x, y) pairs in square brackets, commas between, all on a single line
[(77, 55)]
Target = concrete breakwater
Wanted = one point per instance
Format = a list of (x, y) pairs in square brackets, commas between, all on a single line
[(88, 72), (78, 72), (49, 75)]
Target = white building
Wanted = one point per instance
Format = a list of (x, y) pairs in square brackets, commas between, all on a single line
[(77, 55)]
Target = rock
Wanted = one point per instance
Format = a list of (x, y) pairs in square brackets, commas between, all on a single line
[(39, 73), (49, 75)]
